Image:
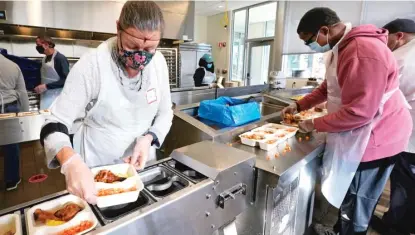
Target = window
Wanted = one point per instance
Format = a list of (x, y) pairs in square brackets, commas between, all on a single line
[(304, 65), (251, 25), (238, 45), (262, 21)]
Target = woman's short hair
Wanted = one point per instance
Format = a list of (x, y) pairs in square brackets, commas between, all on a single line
[(142, 15), (47, 39)]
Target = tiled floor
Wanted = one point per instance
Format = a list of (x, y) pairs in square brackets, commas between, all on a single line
[(32, 161)]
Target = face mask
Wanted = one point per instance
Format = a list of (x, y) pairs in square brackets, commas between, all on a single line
[(40, 49), (135, 59), (209, 65), (317, 48)]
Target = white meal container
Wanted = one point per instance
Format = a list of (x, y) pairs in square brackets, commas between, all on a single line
[(133, 180), (11, 222), (40, 229), (278, 130)]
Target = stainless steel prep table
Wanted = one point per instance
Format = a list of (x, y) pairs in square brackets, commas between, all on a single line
[(189, 205), (284, 187)]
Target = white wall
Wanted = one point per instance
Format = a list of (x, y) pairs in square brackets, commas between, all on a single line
[(201, 29), (25, 47), (217, 33)]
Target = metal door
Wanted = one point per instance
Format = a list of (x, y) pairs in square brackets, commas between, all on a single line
[(259, 62)]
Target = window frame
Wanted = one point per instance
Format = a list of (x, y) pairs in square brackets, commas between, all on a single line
[(246, 40)]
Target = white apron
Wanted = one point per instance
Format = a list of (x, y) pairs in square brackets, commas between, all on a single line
[(209, 77), (405, 57), (344, 150), (49, 75), (120, 115)]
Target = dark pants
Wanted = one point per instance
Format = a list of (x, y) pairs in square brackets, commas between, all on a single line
[(401, 213), (363, 195), (11, 153)]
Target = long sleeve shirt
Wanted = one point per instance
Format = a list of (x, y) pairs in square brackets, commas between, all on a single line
[(81, 91), (12, 85)]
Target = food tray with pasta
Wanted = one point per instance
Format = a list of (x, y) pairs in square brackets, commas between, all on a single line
[(67, 215), (268, 136), (11, 224), (116, 184)]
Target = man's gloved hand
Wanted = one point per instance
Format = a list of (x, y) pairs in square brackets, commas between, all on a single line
[(291, 109), (79, 179), (306, 126), (140, 152)]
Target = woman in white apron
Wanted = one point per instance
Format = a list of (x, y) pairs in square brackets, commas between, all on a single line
[(54, 70), (361, 78), (116, 100), (205, 74)]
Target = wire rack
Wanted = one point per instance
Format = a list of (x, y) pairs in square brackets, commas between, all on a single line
[(171, 56)]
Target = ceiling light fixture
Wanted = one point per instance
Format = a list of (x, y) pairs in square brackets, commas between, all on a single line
[(220, 6)]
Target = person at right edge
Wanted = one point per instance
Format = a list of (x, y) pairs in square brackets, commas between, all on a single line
[(365, 107), (399, 218)]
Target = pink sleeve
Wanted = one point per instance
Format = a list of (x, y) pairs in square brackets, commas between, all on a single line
[(362, 82), (318, 96)]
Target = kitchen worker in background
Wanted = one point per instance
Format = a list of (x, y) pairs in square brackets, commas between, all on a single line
[(117, 101), (365, 106), (13, 96), (401, 211), (205, 74), (54, 70)]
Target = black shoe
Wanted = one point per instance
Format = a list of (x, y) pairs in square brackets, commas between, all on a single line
[(12, 185)]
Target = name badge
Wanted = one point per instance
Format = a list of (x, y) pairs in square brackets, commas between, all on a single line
[(151, 95)]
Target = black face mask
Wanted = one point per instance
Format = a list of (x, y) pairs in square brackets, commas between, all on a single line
[(40, 49)]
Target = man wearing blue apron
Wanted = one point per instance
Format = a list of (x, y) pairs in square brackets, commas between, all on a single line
[(363, 103), (54, 70)]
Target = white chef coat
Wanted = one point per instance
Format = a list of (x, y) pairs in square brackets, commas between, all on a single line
[(85, 88), (405, 56)]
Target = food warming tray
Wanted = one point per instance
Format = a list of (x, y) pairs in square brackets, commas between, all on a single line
[(39, 229), (189, 173), (11, 222), (161, 182), (133, 180)]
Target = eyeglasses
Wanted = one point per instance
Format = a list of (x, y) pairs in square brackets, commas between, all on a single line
[(309, 40)]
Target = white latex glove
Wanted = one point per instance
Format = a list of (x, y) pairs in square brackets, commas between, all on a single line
[(140, 152), (291, 109), (306, 126), (79, 179)]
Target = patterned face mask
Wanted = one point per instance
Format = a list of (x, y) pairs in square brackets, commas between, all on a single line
[(135, 59)]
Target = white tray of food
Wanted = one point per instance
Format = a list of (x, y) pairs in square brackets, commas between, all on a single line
[(11, 224), (7, 115), (25, 114), (116, 184), (67, 215), (268, 136), (293, 120)]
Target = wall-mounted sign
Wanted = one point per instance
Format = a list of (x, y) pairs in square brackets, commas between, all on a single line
[(2, 15)]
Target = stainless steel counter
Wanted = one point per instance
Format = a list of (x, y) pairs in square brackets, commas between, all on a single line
[(301, 154)]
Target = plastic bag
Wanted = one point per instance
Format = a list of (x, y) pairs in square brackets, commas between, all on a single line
[(229, 111)]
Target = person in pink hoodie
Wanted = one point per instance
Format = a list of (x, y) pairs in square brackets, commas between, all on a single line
[(368, 124)]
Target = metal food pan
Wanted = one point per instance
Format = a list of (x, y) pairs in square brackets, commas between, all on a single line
[(161, 182), (190, 174), (109, 214)]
